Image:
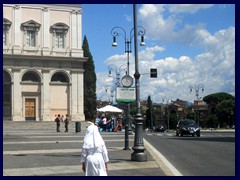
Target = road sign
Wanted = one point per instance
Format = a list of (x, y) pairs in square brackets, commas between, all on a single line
[(126, 95)]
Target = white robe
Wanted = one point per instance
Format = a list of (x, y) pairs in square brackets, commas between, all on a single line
[(94, 153)]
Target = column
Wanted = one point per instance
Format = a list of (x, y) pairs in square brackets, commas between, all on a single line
[(45, 98), (17, 109), (76, 32), (45, 32), (77, 98), (16, 29)]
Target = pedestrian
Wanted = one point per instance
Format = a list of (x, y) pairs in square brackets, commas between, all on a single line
[(62, 118), (66, 122), (108, 124), (94, 157), (57, 120), (104, 123)]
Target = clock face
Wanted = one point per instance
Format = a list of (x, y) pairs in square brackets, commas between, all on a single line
[(127, 81)]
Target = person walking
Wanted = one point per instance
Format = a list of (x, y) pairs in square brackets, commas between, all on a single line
[(57, 120), (94, 157), (66, 122)]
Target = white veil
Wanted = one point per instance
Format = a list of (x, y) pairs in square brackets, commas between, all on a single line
[(92, 138)]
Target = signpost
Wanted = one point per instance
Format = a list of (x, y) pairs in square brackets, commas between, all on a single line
[(125, 95)]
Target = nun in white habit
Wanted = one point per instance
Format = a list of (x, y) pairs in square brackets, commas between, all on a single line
[(94, 155)]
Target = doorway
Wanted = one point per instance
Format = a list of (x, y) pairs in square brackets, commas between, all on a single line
[(30, 109)]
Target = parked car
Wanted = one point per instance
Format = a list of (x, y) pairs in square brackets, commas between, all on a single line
[(187, 127), (160, 128)]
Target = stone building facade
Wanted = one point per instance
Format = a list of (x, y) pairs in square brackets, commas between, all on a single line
[(42, 62)]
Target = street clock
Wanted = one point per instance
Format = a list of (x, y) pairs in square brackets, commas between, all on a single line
[(127, 81)]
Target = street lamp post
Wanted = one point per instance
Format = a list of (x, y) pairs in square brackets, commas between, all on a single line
[(116, 31), (167, 100), (197, 88), (117, 70), (138, 148)]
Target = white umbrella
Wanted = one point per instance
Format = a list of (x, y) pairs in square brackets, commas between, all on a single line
[(109, 108)]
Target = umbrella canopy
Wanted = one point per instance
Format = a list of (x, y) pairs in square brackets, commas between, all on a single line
[(109, 108)]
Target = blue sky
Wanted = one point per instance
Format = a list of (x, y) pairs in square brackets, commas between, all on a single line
[(188, 44)]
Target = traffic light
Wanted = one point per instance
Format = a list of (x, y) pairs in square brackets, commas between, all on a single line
[(153, 73)]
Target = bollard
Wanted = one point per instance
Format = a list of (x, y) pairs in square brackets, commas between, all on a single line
[(78, 126)]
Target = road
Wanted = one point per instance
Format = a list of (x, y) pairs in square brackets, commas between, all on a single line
[(36, 149), (212, 154)]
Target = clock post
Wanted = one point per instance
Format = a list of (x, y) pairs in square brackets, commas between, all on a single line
[(117, 31)]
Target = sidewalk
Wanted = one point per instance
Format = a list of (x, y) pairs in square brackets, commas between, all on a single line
[(120, 160)]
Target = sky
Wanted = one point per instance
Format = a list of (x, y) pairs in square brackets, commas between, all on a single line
[(188, 44)]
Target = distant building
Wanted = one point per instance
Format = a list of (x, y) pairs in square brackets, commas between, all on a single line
[(42, 61)]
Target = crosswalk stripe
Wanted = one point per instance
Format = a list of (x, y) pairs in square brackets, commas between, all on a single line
[(61, 141), (51, 151), (46, 134), (51, 170)]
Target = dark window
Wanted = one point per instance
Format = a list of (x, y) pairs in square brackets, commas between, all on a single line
[(59, 77), (30, 76)]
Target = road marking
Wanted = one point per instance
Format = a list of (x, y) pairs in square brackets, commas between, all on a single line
[(61, 141), (38, 171), (162, 162), (52, 151)]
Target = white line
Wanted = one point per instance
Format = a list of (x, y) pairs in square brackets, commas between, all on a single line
[(52, 151), (36, 171), (46, 135), (163, 163), (60, 141)]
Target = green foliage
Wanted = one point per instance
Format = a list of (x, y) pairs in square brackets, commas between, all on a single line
[(173, 121), (217, 97), (191, 115), (212, 121), (149, 114), (223, 109), (90, 98)]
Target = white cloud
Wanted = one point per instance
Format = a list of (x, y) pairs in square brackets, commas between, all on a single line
[(213, 67), (149, 52), (187, 8), (163, 22)]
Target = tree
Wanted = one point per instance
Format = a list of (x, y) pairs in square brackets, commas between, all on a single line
[(224, 111), (221, 108), (217, 97), (90, 98), (191, 115), (149, 114)]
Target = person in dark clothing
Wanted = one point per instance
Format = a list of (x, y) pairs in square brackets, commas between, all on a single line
[(66, 121), (57, 120)]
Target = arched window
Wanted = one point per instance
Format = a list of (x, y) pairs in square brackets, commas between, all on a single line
[(31, 76), (6, 77), (59, 77), (7, 91)]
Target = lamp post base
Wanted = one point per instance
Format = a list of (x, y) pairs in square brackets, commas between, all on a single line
[(126, 138), (139, 156), (130, 132)]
